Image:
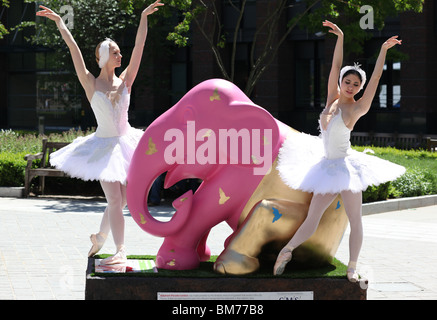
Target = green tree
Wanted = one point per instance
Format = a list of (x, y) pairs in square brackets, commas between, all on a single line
[(92, 21), (96, 19), (3, 5), (206, 16)]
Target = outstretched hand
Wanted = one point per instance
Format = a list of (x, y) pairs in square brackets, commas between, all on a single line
[(48, 13), (390, 43), (153, 7), (334, 28)]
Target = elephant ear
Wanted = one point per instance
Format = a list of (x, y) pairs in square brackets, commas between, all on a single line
[(254, 134)]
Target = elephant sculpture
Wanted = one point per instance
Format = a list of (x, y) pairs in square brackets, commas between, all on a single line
[(217, 134)]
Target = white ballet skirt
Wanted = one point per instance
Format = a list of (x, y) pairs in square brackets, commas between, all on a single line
[(328, 164), (106, 154)]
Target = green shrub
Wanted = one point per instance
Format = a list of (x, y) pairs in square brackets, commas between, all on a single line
[(14, 142), (18, 142), (416, 182), (420, 178), (12, 168), (15, 145), (378, 193)]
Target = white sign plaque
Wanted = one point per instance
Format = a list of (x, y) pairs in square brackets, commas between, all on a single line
[(303, 295)]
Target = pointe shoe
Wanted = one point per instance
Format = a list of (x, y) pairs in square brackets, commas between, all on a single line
[(284, 257), (118, 258), (97, 245), (352, 275)]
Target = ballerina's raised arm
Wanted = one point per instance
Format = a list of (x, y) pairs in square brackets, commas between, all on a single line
[(365, 102), (337, 62), (130, 73), (87, 80)]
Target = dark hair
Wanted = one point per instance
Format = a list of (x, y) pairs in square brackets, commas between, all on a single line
[(354, 72)]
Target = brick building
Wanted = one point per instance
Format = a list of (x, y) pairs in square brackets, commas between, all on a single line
[(292, 89)]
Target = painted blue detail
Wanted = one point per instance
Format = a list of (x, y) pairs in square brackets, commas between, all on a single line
[(277, 215)]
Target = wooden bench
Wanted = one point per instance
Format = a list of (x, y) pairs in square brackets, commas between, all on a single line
[(44, 170)]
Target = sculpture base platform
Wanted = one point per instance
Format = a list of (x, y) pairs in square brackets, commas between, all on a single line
[(147, 287)]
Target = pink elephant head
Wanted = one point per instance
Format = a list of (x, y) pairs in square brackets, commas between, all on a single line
[(216, 134)]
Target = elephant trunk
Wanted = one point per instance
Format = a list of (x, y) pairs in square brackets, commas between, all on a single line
[(146, 165)]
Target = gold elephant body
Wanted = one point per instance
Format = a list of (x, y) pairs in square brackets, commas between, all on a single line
[(269, 220)]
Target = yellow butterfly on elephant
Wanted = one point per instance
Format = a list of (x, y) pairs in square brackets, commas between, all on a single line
[(215, 96), (223, 196), (143, 221), (152, 147)]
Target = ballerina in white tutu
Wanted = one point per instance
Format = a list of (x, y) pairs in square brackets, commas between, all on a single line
[(106, 154), (327, 166)]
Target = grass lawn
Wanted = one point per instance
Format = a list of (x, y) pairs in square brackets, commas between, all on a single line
[(408, 158), (293, 271)]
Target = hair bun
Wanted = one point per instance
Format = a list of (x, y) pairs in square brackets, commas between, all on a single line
[(104, 52)]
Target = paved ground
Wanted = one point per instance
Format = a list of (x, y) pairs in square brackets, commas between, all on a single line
[(44, 245)]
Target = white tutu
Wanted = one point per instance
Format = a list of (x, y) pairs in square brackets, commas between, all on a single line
[(303, 164), (106, 154), (96, 158)]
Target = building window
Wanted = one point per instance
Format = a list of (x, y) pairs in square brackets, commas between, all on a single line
[(248, 22), (244, 39), (310, 82), (180, 75), (390, 87)]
